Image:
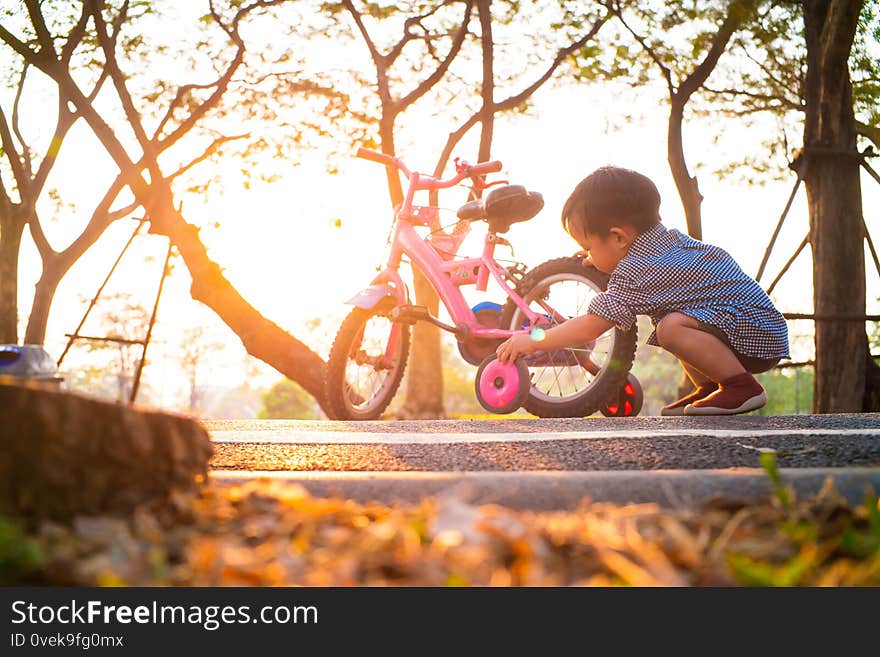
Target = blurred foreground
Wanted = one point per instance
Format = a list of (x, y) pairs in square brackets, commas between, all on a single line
[(265, 533)]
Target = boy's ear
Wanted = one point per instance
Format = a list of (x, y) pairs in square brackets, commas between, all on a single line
[(623, 235)]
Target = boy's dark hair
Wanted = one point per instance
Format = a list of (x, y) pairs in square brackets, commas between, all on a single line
[(612, 196)]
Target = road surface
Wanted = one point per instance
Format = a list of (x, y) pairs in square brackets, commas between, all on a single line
[(554, 463)]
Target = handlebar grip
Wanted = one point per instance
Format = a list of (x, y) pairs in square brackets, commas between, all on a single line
[(486, 167), (374, 156)]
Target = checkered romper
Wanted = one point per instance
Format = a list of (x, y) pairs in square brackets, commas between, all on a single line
[(665, 271)]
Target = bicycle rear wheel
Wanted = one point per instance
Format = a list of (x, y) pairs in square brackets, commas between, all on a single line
[(366, 365), (573, 382)]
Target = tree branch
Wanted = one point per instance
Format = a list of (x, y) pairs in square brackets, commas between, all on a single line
[(408, 36), (438, 73), (43, 35), (768, 98), (76, 36), (208, 152), (98, 222), (737, 12), (379, 60), (39, 237), (65, 120), (872, 132), (220, 84), (516, 100), (615, 9), (767, 71), (25, 151), (18, 170), (108, 46), (19, 46)]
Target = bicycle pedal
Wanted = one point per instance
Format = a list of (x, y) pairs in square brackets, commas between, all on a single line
[(410, 314)]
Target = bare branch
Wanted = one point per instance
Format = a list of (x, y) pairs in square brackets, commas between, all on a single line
[(176, 102), (408, 36), (614, 8), (15, 163), (516, 100), (98, 222), (438, 73), (767, 71), (736, 13), (108, 46), (220, 85), (76, 36), (768, 98), (121, 213), (378, 59), (19, 46), (208, 152), (872, 132), (38, 236), (65, 120), (25, 151), (43, 35)]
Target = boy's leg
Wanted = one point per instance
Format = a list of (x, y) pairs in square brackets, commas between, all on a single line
[(703, 387), (738, 390)]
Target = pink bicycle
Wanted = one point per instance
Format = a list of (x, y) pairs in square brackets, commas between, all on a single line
[(369, 354)]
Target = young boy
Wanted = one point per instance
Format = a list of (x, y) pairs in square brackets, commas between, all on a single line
[(714, 318)]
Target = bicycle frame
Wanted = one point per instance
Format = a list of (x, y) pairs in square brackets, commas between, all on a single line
[(440, 272)]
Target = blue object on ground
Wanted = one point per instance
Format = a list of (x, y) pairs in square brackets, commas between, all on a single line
[(29, 361)]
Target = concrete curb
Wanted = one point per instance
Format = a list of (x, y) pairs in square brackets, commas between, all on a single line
[(546, 490)]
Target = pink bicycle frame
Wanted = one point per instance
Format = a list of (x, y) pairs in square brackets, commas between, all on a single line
[(437, 270)]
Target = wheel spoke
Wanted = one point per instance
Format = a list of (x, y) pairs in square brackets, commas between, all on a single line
[(561, 297)]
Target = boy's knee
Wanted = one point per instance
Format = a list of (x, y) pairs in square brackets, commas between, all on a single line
[(671, 325)]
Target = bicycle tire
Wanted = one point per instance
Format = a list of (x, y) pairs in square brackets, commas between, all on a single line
[(335, 381), (610, 378)]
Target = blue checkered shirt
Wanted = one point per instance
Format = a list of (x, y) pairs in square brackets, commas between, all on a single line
[(666, 271)]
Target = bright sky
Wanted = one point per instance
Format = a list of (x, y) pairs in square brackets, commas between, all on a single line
[(279, 244)]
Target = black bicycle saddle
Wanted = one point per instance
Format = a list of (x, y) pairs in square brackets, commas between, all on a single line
[(502, 207)]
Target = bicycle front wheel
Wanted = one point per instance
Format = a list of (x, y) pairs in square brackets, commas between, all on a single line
[(577, 381), (366, 365)]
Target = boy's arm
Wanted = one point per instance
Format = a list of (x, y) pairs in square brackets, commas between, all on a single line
[(574, 332)]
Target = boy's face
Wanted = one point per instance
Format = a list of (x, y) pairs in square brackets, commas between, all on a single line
[(604, 251)]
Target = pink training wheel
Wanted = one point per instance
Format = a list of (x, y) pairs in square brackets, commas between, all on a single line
[(502, 387)]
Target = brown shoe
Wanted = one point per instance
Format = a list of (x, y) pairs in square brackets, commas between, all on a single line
[(738, 394), (677, 407)]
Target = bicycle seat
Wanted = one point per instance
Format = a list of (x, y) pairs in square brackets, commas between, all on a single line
[(472, 211), (502, 207)]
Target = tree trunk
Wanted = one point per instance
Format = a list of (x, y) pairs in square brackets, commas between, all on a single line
[(835, 206), (44, 293), (424, 384), (424, 379), (688, 190), (11, 230), (261, 337)]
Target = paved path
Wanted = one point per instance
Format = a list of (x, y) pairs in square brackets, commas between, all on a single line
[(554, 463)]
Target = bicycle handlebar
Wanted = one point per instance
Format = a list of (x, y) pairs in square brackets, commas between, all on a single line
[(492, 166), (429, 182)]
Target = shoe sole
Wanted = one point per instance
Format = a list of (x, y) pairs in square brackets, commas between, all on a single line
[(751, 404), (672, 412)]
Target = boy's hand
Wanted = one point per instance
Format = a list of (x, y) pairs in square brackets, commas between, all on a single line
[(520, 344), (585, 258)]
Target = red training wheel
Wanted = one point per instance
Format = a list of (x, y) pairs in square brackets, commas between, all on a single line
[(628, 402)]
